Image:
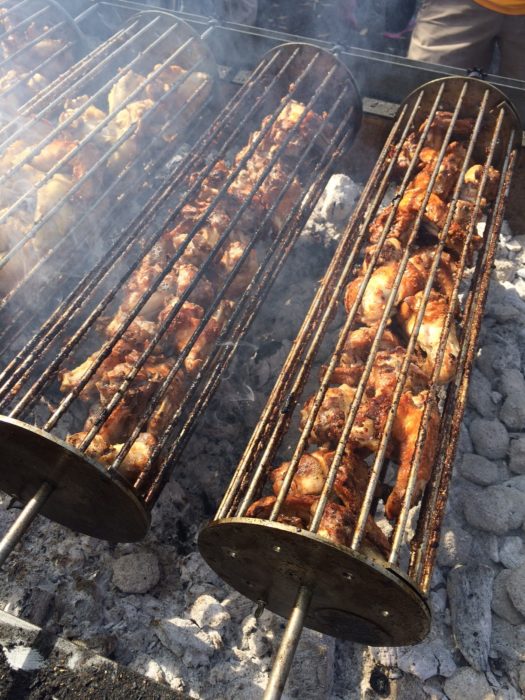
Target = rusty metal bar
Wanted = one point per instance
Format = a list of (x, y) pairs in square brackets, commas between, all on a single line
[(426, 540)]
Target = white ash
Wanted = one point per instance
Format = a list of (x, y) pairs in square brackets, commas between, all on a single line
[(332, 210), (189, 630)]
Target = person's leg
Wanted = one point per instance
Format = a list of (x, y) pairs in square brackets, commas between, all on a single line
[(454, 33), (512, 47), (398, 14)]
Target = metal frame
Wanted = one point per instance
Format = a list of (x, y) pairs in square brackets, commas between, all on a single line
[(269, 561), (378, 75), (30, 377)]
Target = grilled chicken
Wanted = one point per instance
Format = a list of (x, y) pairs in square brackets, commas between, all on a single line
[(338, 520), (440, 125), (405, 434), (381, 283), (375, 404), (165, 327), (430, 332)]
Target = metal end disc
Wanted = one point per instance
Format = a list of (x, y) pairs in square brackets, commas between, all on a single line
[(85, 497), (354, 597)]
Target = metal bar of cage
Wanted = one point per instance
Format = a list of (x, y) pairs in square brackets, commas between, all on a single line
[(20, 64), (293, 554)]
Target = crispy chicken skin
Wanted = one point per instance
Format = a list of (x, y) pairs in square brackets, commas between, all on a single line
[(430, 332), (404, 433), (381, 284), (375, 404), (338, 521)]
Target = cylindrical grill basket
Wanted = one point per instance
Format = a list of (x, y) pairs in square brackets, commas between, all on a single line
[(88, 153), (250, 183), (310, 539), (39, 40)]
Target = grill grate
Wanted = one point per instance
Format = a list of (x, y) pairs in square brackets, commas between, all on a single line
[(113, 148), (232, 214), (38, 41), (313, 551)]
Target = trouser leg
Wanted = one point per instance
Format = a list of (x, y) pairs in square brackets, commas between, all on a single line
[(398, 14), (455, 33), (512, 47)]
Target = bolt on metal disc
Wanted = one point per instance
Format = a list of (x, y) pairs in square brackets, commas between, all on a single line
[(85, 497), (354, 597)]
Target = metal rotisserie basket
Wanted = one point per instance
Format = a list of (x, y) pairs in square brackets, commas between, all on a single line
[(85, 155), (39, 40), (143, 338), (342, 536)]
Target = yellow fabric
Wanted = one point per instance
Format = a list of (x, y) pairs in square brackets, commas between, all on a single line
[(507, 7)]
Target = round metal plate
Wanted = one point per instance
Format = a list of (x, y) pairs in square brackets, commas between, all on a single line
[(354, 597), (85, 497)]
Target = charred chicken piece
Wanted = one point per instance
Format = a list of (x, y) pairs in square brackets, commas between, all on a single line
[(380, 286), (391, 251), (174, 284), (407, 152), (405, 434), (133, 463), (440, 125), (375, 403), (338, 521), (309, 477), (122, 420), (359, 342), (448, 171), (473, 178), (430, 332), (231, 256)]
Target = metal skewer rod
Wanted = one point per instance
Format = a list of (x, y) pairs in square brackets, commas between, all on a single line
[(24, 520), (289, 642)]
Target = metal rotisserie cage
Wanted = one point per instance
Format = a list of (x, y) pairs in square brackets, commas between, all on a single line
[(39, 40), (100, 401), (84, 156), (342, 535)]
